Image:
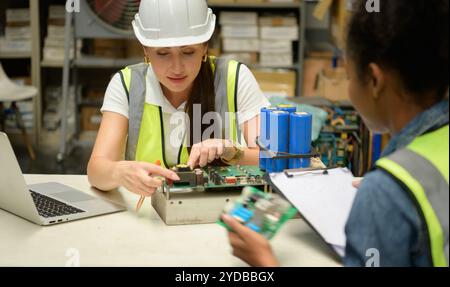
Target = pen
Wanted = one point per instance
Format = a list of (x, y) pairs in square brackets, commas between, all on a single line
[(141, 200)]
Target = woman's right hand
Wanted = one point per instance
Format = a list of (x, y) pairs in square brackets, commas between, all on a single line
[(142, 178)]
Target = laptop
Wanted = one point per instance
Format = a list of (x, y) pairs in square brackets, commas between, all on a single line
[(45, 203)]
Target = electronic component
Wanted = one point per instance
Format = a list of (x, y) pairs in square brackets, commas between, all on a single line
[(230, 180), (287, 108), (300, 130), (186, 174), (264, 137), (262, 212), (218, 177), (182, 168), (279, 140)]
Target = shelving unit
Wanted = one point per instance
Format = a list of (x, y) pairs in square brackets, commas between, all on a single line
[(274, 7), (40, 69), (34, 58)]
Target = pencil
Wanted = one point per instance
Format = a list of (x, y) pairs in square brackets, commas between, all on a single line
[(142, 198)]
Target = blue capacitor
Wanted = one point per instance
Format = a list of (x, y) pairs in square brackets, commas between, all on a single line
[(300, 139), (264, 135), (279, 139), (287, 108)]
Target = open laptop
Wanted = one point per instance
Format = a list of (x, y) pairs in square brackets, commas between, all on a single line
[(45, 203)]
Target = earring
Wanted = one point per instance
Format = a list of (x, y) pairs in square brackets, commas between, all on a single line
[(146, 60), (205, 58)]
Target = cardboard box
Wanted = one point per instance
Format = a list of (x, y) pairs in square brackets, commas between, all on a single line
[(240, 45), (18, 33), (90, 118), (133, 49), (11, 46), (280, 33), (314, 64), (21, 15), (245, 58), (333, 84), (276, 82), (95, 93), (276, 59), (278, 21), (276, 46), (240, 31), (109, 48), (238, 18)]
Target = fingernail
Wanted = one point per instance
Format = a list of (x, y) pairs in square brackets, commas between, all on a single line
[(226, 217), (175, 177)]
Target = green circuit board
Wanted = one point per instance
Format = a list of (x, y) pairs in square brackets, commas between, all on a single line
[(262, 212), (219, 177)]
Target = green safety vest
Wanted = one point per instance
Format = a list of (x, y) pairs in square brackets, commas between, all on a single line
[(423, 168), (145, 125)]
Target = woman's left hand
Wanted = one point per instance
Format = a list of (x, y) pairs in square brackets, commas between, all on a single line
[(209, 150), (248, 245)]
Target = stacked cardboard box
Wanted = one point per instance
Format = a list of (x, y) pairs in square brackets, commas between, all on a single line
[(251, 39), (54, 42), (240, 36), (53, 109), (117, 48), (333, 84), (17, 37), (276, 82), (277, 36)]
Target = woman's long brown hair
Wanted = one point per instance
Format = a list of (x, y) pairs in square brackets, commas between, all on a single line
[(203, 93)]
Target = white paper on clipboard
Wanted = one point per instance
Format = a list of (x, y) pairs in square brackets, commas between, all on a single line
[(323, 200)]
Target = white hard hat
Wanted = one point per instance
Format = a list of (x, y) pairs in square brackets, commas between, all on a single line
[(173, 23)]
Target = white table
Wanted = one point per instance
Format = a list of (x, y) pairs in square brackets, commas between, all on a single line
[(131, 239)]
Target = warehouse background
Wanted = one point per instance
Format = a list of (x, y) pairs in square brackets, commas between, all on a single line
[(294, 49)]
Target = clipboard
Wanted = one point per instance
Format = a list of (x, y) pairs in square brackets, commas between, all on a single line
[(323, 197)]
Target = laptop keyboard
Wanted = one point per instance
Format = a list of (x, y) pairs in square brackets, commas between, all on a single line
[(49, 207)]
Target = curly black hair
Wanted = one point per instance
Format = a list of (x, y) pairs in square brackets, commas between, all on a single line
[(408, 37)]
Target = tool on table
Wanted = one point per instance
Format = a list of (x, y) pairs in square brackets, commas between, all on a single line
[(141, 200)]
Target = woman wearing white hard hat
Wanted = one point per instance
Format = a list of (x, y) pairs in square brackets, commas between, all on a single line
[(145, 105)]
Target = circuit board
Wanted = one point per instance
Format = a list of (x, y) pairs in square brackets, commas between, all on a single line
[(218, 177), (262, 212)]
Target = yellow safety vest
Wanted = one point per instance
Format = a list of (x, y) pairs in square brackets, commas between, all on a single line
[(145, 126), (423, 168)]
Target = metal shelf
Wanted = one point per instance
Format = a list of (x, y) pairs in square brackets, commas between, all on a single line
[(15, 55), (269, 5), (34, 57), (296, 66), (99, 62), (93, 62), (319, 101), (52, 64)]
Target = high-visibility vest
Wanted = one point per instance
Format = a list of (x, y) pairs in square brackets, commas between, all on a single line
[(422, 168), (145, 125)]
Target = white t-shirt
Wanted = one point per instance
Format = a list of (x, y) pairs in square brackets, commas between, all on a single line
[(250, 100)]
